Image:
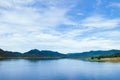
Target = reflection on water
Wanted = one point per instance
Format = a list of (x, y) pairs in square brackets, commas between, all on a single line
[(60, 69)]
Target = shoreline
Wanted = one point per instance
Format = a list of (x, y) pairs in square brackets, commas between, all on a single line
[(107, 59)]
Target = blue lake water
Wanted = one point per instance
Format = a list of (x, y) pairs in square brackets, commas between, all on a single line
[(61, 69)]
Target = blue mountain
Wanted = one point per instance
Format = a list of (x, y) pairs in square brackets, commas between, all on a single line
[(93, 53)]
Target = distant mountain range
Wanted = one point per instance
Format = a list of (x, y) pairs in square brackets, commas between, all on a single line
[(31, 54), (94, 53), (52, 54)]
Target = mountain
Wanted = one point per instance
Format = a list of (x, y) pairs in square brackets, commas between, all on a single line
[(1, 52), (114, 55), (43, 53), (52, 54), (9, 53), (93, 53), (31, 54), (34, 51), (109, 56)]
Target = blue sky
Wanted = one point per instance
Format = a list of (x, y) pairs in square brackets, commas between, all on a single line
[(59, 25)]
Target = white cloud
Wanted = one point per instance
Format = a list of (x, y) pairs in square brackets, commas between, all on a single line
[(31, 25), (33, 17), (115, 4), (57, 43), (13, 4), (108, 35), (99, 2), (24, 26), (100, 22), (80, 14)]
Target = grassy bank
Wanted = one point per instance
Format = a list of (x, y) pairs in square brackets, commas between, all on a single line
[(107, 59)]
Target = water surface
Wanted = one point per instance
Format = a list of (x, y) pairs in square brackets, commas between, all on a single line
[(60, 69)]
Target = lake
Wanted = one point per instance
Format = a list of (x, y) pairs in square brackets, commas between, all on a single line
[(59, 69)]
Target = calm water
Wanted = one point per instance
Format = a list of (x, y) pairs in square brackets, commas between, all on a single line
[(62, 69)]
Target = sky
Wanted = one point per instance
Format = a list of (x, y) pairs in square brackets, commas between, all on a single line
[(65, 26)]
